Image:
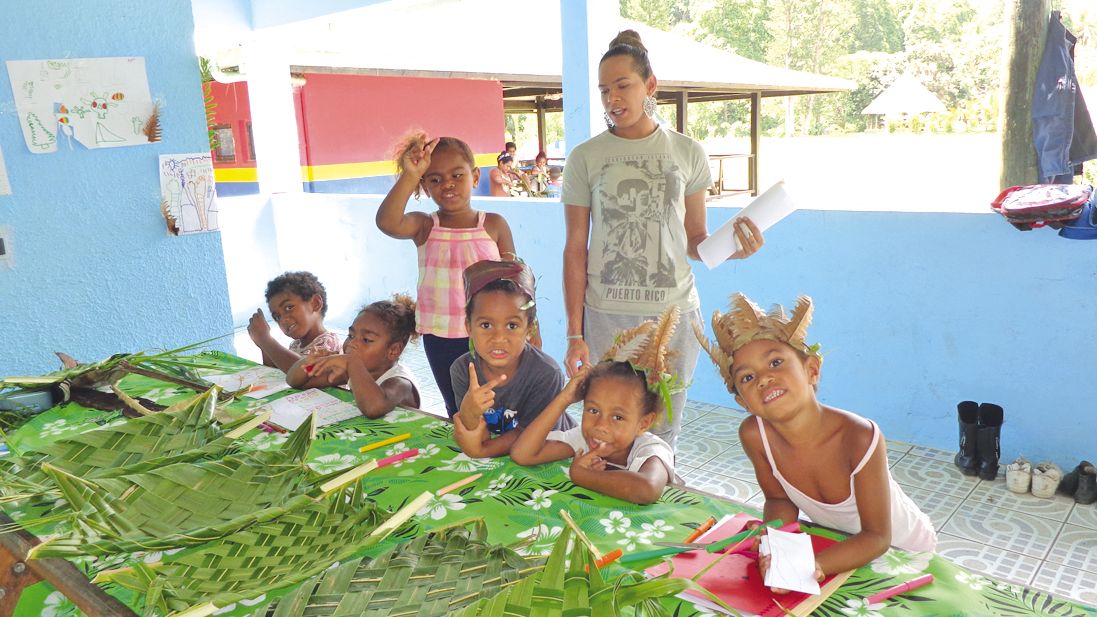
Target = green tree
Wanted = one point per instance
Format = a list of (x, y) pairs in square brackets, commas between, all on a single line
[(738, 26), (877, 27), (661, 14)]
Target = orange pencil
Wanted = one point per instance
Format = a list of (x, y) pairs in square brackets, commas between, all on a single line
[(705, 526)]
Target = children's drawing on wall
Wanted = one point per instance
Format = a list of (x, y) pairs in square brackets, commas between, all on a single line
[(187, 193), (89, 102), (5, 186)]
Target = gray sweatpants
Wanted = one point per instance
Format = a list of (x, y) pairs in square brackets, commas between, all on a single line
[(599, 330)]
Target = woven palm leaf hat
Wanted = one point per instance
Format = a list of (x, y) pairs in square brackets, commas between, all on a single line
[(745, 322), (644, 347)]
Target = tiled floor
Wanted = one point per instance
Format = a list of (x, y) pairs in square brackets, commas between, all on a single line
[(1048, 544)]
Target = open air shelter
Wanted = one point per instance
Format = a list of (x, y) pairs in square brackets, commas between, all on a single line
[(527, 57)]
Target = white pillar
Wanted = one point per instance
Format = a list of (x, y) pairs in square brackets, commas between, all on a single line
[(273, 118), (587, 26)]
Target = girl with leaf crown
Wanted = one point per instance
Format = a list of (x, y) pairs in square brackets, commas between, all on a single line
[(634, 200), (622, 396), (809, 457)]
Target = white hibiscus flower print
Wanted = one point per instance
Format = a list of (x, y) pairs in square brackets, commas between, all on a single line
[(974, 581), (633, 538), (438, 507), (56, 427), (543, 537), (266, 441), (398, 449), (156, 556), (895, 562), (496, 486), (429, 450), (56, 604), (859, 607), (403, 415), (462, 463), (616, 522), (657, 529), (232, 607), (348, 434), (332, 462), (540, 498)]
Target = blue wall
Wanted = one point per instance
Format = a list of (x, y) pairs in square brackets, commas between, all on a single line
[(95, 272), (914, 312)]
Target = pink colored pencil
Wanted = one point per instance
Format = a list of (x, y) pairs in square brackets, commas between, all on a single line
[(396, 458), (899, 589)]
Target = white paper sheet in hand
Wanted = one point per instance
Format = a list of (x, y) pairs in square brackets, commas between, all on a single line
[(766, 209), (791, 562)]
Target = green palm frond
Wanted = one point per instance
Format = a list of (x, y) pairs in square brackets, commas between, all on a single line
[(182, 432), (434, 574), (183, 504), (571, 584), (287, 550)]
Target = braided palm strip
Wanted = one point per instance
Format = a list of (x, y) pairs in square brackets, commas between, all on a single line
[(183, 504), (265, 556), (434, 574)]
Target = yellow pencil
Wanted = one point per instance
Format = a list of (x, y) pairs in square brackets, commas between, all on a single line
[(384, 442)]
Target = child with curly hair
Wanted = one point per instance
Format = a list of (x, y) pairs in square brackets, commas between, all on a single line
[(297, 303), (370, 363)]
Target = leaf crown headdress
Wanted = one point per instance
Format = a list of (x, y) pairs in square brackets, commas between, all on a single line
[(644, 348), (745, 322)]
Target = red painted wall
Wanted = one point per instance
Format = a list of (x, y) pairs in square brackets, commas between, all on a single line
[(357, 118)]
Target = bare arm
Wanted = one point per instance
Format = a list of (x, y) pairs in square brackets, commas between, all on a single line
[(871, 487), (532, 447), (375, 400), (391, 218), (478, 443), (499, 230), (641, 487), (577, 219), (318, 371)]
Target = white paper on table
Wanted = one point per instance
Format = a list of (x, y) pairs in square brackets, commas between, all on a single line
[(290, 411), (5, 186), (261, 381), (766, 210), (791, 561)]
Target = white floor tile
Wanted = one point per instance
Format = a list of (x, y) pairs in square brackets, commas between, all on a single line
[(987, 560), (724, 486), (1066, 582), (930, 474), (938, 506), (1086, 516), (1004, 529), (1076, 547), (996, 494)]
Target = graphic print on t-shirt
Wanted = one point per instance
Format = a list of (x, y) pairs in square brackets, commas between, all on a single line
[(639, 197)]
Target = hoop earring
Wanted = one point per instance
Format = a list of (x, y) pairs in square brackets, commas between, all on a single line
[(649, 105), (609, 121)]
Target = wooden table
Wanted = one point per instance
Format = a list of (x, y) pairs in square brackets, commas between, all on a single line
[(720, 186)]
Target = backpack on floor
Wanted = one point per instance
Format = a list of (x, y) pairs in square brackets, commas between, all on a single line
[(1037, 205)]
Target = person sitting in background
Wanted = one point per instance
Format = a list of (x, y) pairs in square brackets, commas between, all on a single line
[(539, 175), (503, 183), (555, 182)]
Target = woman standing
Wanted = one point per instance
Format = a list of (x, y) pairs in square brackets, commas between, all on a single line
[(635, 208)]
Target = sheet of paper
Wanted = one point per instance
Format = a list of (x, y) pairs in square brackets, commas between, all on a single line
[(792, 561), (290, 411), (766, 210), (5, 186), (187, 186), (91, 102), (262, 381)]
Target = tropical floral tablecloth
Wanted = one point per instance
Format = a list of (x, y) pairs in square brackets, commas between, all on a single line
[(521, 506)]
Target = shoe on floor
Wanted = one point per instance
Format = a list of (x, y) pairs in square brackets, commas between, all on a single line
[(1019, 475), (1087, 486), (1045, 479), (1069, 484)]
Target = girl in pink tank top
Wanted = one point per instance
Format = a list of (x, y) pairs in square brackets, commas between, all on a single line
[(808, 457), (448, 240)]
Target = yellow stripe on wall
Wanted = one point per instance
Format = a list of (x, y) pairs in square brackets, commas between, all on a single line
[(337, 171)]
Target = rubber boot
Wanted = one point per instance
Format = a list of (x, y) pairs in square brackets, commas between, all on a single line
[(968, 413), (987, 445), (1087, 486)]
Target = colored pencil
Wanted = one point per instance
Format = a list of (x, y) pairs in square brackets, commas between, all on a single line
[(384, 442), (458, 484), (702, 528), (880, 596), (396, 458)]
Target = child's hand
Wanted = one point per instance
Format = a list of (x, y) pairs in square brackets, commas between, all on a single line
[(471, 440), (258, 328), (417, 160), (593, 459), (571, 390), (479, 398), (331, 368)]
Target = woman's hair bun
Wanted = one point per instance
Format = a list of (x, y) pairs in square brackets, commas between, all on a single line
[(628, 37)]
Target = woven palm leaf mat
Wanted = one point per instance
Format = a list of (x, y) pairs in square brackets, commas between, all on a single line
[(520, 506)]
